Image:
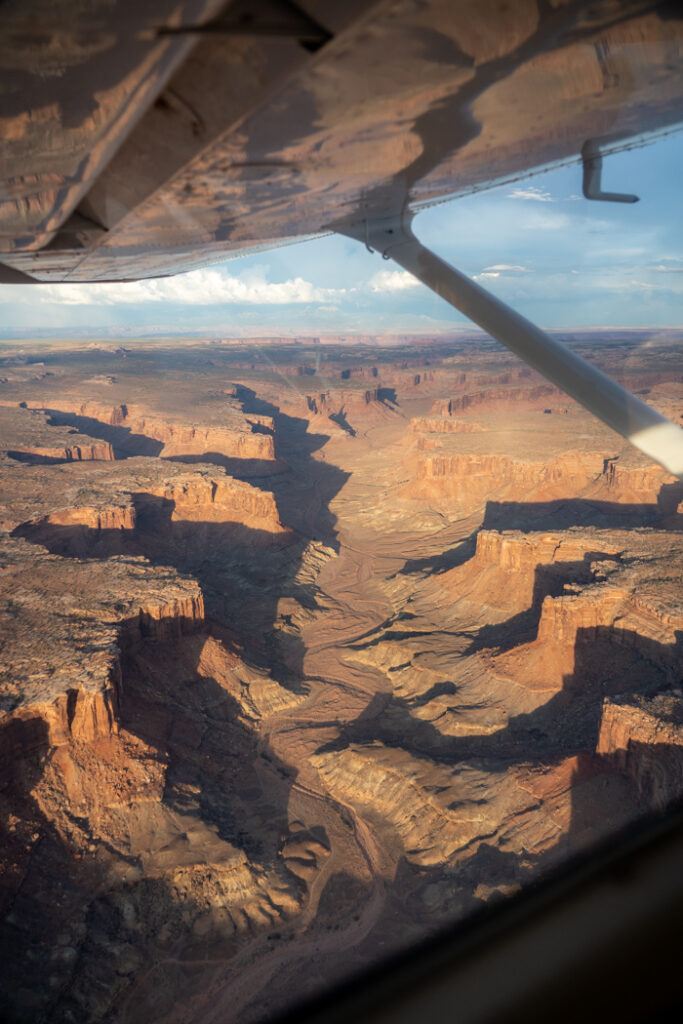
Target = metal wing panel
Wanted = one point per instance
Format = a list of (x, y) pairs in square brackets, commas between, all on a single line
[(409, 102), (75, 80)]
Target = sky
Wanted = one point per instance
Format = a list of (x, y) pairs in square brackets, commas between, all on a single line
[(559, 259)]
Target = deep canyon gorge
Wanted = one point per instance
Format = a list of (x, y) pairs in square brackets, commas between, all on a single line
[(309, 650)]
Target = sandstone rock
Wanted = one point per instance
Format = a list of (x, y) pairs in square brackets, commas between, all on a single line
[(440, 815), (63, 623), (444, 425), (248, 727), (352, 410), (177, 437), (643, 737), (510, 568), (497, 396), (117, 493), (633, 606), (471, 478), (27, 436)]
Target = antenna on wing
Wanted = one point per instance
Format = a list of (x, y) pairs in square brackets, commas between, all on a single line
[(591, 158)]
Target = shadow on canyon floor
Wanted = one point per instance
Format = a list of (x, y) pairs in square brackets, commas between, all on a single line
[(124, 442), (564, 513), (549, 581), (96, 911), (42, 884), (219, 776), (433, 565), (214, 758), (32, 459), (244, 573), (340, 419), (558, 515), (303, 494), (217, 768), (606, 661), (605, 793), (251, 470)]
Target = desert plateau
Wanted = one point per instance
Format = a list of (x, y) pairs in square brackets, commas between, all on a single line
[(310, 649)]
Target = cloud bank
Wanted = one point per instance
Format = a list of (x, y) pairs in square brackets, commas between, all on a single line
[(199, 287), (392, 281)]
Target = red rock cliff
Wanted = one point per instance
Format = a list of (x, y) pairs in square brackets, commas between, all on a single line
[(644, 738)]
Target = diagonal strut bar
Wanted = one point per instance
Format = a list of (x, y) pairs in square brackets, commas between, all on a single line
[(646, 429)]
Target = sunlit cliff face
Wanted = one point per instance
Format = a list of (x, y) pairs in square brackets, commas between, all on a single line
[(304, 659)]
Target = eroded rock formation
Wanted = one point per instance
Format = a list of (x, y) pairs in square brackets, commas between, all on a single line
[(176, 437), (498, 396), (643, 737), (473, 477), (250, 727), (109, 775), (444, 425), (26, 436)]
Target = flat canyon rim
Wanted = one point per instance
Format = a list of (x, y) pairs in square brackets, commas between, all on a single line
[(306, 658)]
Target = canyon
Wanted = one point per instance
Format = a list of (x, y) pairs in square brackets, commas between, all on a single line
[(307, 656)]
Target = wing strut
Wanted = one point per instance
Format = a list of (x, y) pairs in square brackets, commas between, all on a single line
[(659, 438)]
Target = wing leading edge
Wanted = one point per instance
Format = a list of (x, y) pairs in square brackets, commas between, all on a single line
[(151, 143)]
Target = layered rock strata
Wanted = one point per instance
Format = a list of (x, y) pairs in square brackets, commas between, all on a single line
[(176, 437), (351, 410), (26, 436), (128, 748), (497, 396), (643, 737), (473, 477), (444, 425), (99, 497), (63, 626)]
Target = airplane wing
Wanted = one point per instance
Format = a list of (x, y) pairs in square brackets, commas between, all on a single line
[(146, 139)]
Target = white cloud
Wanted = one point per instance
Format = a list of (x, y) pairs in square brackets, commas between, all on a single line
[(509, 268), (392, 281), (532, 193), (199, 287), (499, 270), (669, 265), (208, 287)]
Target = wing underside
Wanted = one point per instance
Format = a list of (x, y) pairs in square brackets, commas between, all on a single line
[(142, 142)]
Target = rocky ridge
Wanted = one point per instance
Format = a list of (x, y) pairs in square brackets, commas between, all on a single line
[(26, 436), (175, 437), (366, 707), (473, 477), (111, 497)]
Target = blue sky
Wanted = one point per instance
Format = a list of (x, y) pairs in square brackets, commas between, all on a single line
[(559, 259)]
